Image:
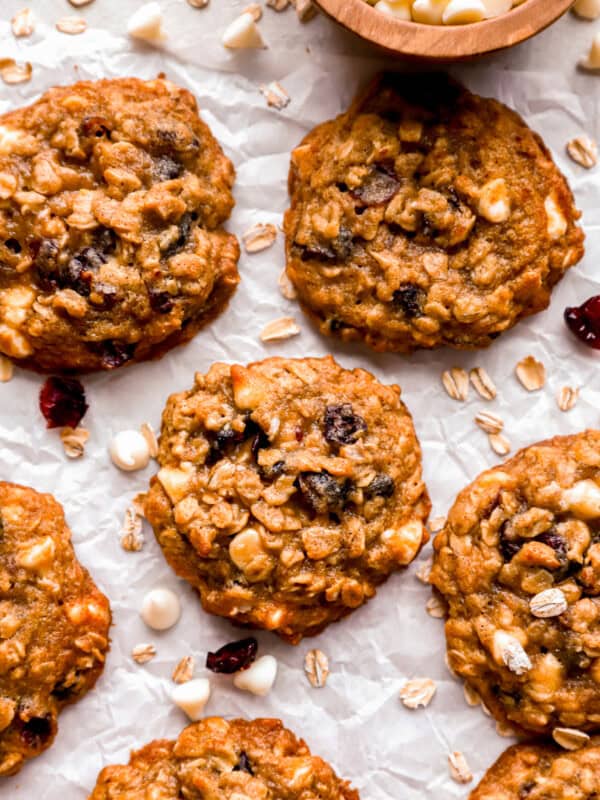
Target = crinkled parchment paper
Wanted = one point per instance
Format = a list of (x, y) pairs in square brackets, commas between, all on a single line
[(357, 721)]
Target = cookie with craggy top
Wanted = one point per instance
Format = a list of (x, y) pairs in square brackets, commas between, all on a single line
[(288, 490), (518, 563), (218, 760), (112, 199), (542, 772), (425, 216), (53, 624)]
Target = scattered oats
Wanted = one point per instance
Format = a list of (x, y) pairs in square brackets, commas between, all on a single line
[(198, 3), (255, 11), (486, 710), (488, 422), (12, 73), (567, 397), (147, 432), (278, 5), (184, 670), (276, 95), (436, 524), (23, 23), (549, 603), (6, 369), (286, 287), (132, 538), (305, 9), (483, 384), (471, 696), (459, 769), (449, 667), (584, 151), (259, 237), (282, 328), (71, 25), (436, 607), (499, 443), (569, 738), (316, 666), (505, 730), (509, 651), (80, 3), (74, 440), (424, 570), (418, 692), (456, 383), (531, 373), (142, 653), (137, 504)]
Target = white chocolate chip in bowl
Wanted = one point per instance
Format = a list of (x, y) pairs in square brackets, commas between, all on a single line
[(463, 12), (399, 10), (429, 12), (129, 450), (192, 697), (161, 609), (494, 8), (259, 678), (588, 9)]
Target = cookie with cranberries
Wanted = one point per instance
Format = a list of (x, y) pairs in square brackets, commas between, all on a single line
[(54, 624), (425, 216), (219, 760), (518, 564), (289, 489), (113, 195)]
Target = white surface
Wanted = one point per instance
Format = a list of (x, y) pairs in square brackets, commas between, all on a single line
[(357, 721)]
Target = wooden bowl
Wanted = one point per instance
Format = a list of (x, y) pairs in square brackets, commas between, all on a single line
[(445, 42)]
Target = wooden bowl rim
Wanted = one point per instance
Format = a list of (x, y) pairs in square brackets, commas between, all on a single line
[(445, 42)]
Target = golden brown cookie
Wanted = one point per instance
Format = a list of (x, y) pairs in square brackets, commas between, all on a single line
[(112, 198), (288, 490), (53, 624), (218, 760), (425, 216), (519, 566), (542, 772)]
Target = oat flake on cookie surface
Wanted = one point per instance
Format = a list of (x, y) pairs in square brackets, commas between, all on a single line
[(289, 490), (54, 624), (112, 199), (218, 760), (519, 566), (425, 216)]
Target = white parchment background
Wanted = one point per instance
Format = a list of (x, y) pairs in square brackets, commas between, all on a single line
[(357, 721)]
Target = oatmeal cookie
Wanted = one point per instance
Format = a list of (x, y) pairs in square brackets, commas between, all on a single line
[(542, 772), (53, 624), (288, 490), (425, 216), (218, 760), (112, 197), (519, 566)]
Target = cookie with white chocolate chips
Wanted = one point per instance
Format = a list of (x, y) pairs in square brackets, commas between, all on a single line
[(518, 563), (425, 216), (219, 760), (112, 199), (53, 624), (542, 772), (288, 490)]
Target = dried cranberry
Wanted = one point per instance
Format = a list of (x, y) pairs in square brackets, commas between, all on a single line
[(321, 492), (233, 657), (95, 126), (105, 240), (584, 321), (273, 472), (408, 299), (13, 245), (379, 186), (339, 248), (381, 486), (107, 293), (243, 764), (341, 425), (79, 272), (113, 354), (62, 402), (509, 548), (557, 542), (166, 168), (161, 302), (45, 262), (36, 732)]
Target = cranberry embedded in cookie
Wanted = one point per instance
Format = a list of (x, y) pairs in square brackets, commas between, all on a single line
[(289, 490)]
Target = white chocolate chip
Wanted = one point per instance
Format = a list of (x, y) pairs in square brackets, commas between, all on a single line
[(557, 224), (404, 542), (588, 9), (243, 33), (583, 499), (494, 201), (147, 23), (259, 677), (429, 12), (192, 697), (461, 12), (38, 556), (509, 651), (161, 609), (129, 451)]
